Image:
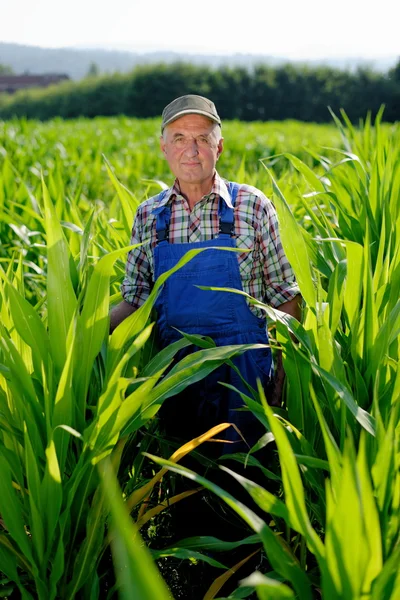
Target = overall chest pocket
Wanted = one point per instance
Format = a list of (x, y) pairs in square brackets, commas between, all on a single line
[(188, 307)]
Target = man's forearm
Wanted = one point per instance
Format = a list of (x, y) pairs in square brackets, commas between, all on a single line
[(119, 313)]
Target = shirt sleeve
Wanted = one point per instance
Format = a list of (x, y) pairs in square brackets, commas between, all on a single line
[(137, 284), (279, 279)]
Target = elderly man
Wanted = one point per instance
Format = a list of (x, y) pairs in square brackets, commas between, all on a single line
[(202, 209)]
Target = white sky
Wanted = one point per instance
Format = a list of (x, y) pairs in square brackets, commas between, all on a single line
[(290, 28)]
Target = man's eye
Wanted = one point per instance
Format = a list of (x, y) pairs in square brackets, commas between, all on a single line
[(202, 140)]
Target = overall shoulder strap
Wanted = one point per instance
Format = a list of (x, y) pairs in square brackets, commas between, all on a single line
[(233, 190), (226, 214), (163, 216)]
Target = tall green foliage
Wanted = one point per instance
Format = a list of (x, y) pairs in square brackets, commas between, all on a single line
[(71, 395), (73, 398)]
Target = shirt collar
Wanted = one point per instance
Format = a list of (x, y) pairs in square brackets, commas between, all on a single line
[(219, 188)]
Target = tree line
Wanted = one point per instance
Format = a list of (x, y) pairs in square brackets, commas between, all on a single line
[(258, 94)]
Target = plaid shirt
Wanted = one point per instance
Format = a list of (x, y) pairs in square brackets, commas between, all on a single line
[(265, 271)]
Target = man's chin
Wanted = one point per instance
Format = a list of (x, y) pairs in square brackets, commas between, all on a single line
[(192, 171), (191, 177)]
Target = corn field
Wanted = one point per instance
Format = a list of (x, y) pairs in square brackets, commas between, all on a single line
[(86, 479)]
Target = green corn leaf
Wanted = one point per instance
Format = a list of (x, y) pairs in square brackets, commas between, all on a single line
[(94, 321), (89, 551), (61, 300), (116, 377), (311, 461), (19, 375), (186, 554), (57, 569), (25, 405), (387, 585), (352, 294), (164, 357), (214, 544), (369, 318), (371, 518), (346, 540), (8, 562), (331, 448), (295, 246), (384, 467), (124, 419), (336, 293), (298, 373), (252, 461), (128, 201), (292, 484), (307, 173), (302, 448), (64, 408), (366, 420), (137, 576), (33, 482), (267, 588), (255, 407), (387, 334), (11, 511), (379, 275), (199, 341), (85, 245), (265, 500), (51, 493), (30, 328), (114, 410)]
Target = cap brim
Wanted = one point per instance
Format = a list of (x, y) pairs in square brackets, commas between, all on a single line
[(190, 112)]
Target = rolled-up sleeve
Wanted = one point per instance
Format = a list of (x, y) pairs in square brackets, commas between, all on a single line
[(137, 284), (279, 279)]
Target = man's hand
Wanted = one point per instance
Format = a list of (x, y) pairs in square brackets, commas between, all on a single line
[(275, 389), (293, 307), (119, 313)]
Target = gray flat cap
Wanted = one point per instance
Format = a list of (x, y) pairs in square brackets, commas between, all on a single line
[(189, 105)]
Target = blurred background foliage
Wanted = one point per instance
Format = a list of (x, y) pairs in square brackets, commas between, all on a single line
[(261, 93)]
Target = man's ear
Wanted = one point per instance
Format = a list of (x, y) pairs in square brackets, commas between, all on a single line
[(162, 145), (220, 147)]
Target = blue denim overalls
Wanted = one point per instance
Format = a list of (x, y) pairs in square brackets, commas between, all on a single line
[(223, 316)]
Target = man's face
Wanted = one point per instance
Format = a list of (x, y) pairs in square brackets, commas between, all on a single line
[(192, 145)]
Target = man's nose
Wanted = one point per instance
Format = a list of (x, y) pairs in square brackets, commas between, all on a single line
[(192, 148)]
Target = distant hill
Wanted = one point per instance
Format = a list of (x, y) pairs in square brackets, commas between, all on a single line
[(76, 62)]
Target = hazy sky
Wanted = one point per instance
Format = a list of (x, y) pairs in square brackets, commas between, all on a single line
[(295, 29)]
